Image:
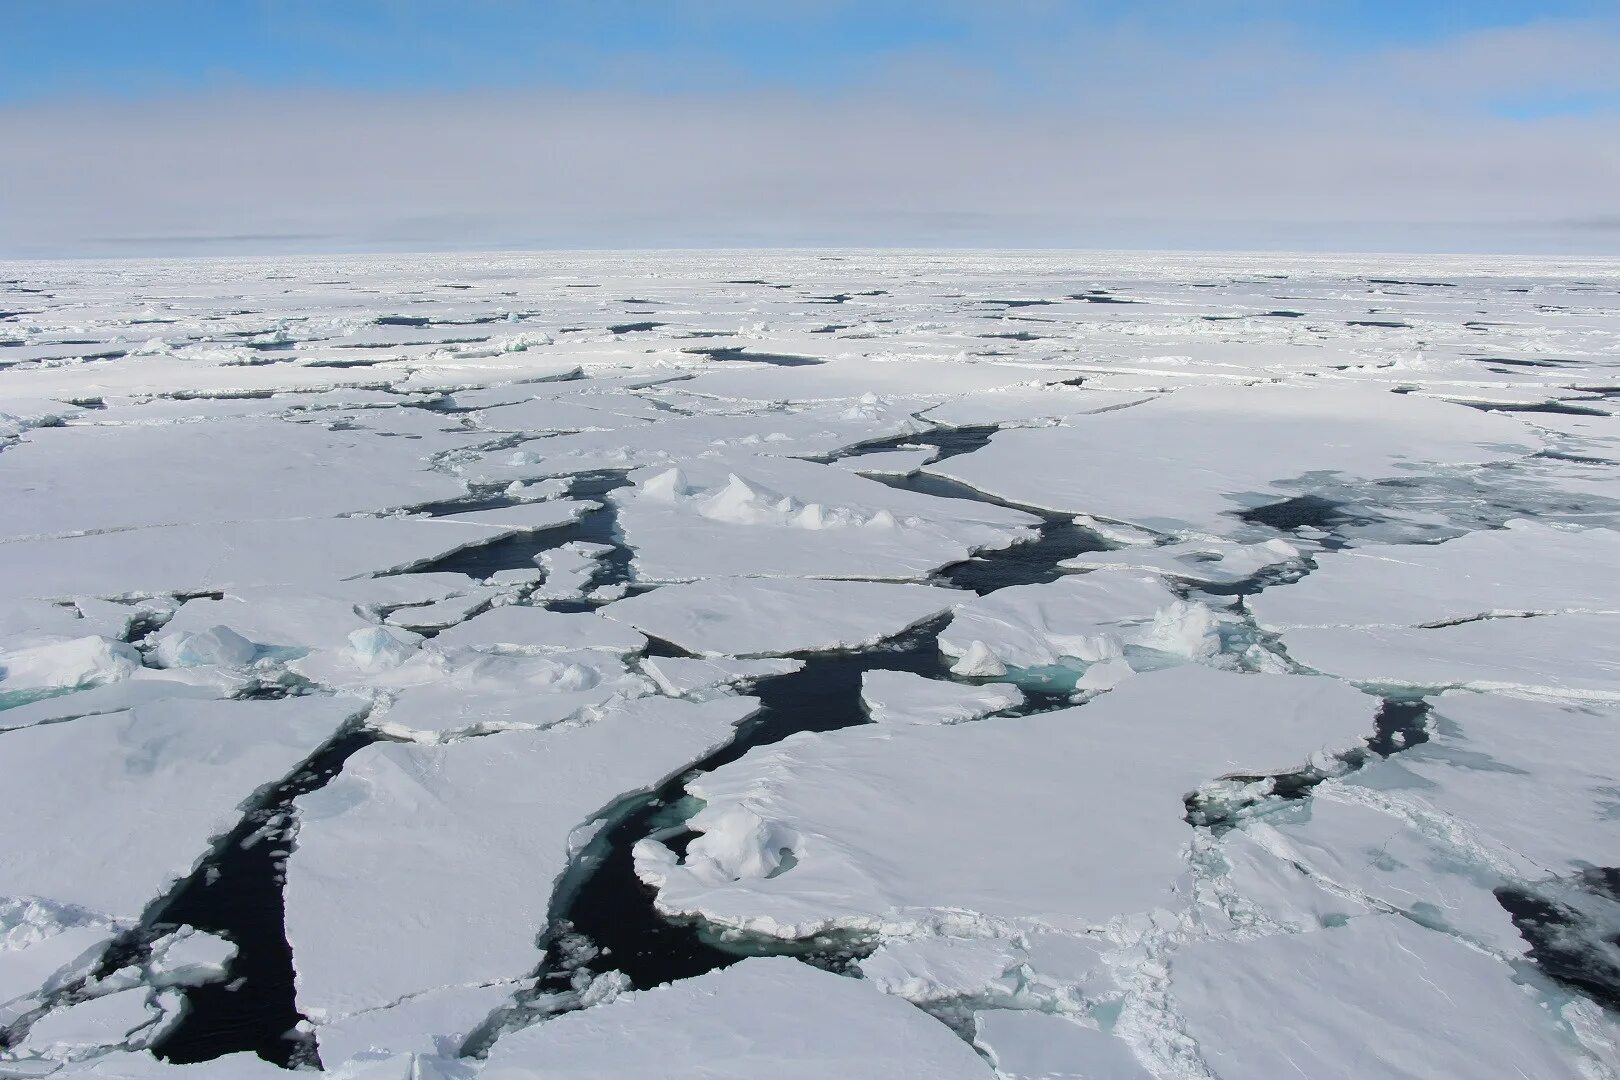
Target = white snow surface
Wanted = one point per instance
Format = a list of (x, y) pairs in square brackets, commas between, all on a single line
[(479, 502), (770, 616), (1393, 1001), (405, 827), (899, 697), (761, 1017), (1231, 447), (843, 806), (142, 792)]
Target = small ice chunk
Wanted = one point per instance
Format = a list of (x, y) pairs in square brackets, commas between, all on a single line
[(189, 957), (667, 486), (441, 613), (570, 569), (65, 665), (378, 648), (217, 646), (978, 661), (900, 697), (933, 969), (1118, 532), (679, 675), (1085, 617), (1204, 562), (540, 489), (889, 463), (526, 517)]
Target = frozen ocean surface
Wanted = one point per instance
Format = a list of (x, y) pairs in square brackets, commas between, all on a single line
[(733, 664)]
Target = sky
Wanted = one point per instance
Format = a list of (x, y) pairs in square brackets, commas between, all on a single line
[(175, 127)]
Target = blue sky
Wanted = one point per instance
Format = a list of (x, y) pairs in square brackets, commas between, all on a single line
[(86, 48), (1118, 94)]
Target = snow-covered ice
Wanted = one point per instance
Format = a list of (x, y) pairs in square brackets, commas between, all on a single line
[(820, 832), (899, 697), (763, 1016), (1387, 999), (1188, 667), (378, 904), (143, 792), (768, 616)]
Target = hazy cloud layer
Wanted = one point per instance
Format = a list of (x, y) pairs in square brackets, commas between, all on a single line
[(1113, 139)]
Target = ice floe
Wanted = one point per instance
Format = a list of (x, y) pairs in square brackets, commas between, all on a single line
[(1386, 999), (406, 827), (899, 697), (431, 585), (769, 616), (761, 1016), (819, 832)]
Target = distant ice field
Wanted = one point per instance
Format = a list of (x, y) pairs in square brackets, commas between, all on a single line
[(890, 664)]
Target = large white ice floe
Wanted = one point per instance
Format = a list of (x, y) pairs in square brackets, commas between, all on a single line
[(796, 518), (762, 1016), (1530, 607), (1519, 786), (143, 792), (432, 694), (1557, 655), (824, 831), (378, 907), (1524, 568), (1191, 459), (1380, 997), (130, 477), (771, 616), (203, 558)]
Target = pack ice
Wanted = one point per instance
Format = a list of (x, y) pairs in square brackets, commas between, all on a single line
[(875, 664)]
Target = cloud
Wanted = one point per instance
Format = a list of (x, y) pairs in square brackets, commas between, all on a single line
[(1136, 143)]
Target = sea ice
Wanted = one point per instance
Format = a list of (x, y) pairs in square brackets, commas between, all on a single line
[(220, 480), (405, 827), (1526, 567), (1080, 620), (1231, 446), (871, 828), (1027, 1045), (781, 517), (142, 792), (721, 617), (128, 1019), (1376, 997), (899, 697), (761, 1017)]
